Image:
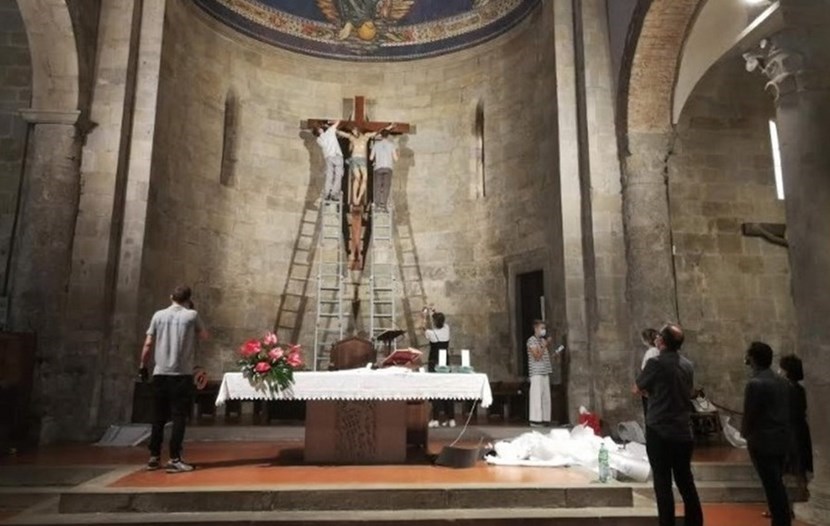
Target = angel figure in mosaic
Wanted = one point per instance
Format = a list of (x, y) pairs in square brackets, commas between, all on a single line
[(362, 17)]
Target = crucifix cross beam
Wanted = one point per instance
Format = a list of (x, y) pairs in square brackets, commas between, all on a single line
[(360, 122)]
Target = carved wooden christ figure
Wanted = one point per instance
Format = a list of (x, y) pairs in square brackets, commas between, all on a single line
[(361, 131), (359, 147)]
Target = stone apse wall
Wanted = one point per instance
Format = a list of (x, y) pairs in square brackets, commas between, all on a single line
[(731, 289), (234, 239), (15, 93)]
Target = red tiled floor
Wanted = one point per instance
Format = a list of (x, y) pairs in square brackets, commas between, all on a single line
[(720, 454), (78, 454), (270, 464), (254, 463), (267, 474), (737, 515), (85, 454)]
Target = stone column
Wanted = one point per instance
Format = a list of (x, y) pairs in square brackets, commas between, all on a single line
[(580, 387), (651, 289), (797, 62), (46, 223), (127, 326), (43, 243)]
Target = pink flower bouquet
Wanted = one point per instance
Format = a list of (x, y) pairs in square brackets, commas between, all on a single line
[(266, 362)]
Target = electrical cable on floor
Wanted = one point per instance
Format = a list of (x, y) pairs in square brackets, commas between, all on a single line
[(466, 424)]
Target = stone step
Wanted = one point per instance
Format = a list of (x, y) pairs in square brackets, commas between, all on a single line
[(724, 492), (325, 498), (22, 499), (596, 516), (724, 471)]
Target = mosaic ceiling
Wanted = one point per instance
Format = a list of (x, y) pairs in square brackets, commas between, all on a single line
[(372, 30)]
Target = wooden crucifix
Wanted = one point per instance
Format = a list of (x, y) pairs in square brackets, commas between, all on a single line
[(358, 126), (359, 121)]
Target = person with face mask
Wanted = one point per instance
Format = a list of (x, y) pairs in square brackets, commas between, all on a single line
[(539, 369)]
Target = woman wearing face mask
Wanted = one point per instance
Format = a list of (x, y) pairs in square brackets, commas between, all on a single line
[(539, 369)]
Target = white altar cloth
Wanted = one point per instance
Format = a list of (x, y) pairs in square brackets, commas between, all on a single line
[(365, 384)]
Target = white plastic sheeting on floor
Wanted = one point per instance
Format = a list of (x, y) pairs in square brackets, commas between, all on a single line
[(578, 447)]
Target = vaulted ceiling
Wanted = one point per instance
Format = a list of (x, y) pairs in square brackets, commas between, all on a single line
[(373, 30)]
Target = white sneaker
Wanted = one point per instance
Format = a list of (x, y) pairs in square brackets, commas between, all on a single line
[(177, 466), (452, 423), (433, 423)]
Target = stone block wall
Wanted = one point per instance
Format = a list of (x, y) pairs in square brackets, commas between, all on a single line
[(237, 242), (731, 289), (15, 93)]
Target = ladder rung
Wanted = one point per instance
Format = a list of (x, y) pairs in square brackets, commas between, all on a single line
[(376, 302), (384, 289), (329, 288), (324, 315), (330, 302)]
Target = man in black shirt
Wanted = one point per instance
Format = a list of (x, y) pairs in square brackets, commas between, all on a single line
[(668, 381), (765, 427)]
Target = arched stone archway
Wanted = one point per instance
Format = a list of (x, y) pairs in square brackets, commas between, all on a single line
[(796, 60), (652, 55), (644, 126), (55, 79)]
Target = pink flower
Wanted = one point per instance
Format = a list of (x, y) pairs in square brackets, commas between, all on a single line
[(294, 359), (275, 354), (262, 367), (270, 339), (250, 348)]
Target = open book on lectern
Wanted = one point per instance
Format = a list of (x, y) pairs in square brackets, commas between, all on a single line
[(402, 357)]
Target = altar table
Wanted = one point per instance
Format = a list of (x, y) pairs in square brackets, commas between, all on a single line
[(359, 416)]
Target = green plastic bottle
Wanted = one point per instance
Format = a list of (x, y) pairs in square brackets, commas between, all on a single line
[(604, 467)]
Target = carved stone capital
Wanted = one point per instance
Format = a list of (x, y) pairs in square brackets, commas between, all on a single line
[(42, 116), (794, 60)]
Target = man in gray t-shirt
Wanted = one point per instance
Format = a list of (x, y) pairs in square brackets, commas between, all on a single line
[(172, 336), (384, 154)]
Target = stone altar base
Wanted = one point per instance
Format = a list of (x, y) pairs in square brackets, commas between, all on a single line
[(359, 432), (268, 483)]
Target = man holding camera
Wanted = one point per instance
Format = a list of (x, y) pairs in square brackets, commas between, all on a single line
[(172, 336)]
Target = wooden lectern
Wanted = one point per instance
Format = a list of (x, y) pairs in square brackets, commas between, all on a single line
[(351, 353)]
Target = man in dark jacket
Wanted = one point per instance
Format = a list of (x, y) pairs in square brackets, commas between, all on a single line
[(766, 428), (668, 381)]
